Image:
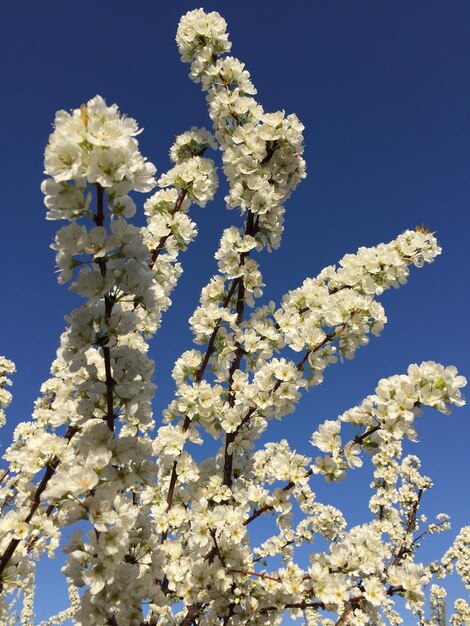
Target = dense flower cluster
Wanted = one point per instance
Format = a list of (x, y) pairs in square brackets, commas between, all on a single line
[(94, 145), (458, 556), (335, 312), (385, 418), (101, 379), (261, 152), (461, 615), (160, 530)]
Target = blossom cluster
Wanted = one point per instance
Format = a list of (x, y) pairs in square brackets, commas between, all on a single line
[(94, 145), (339, 306), (261, 152), (385, 418), (458, 556), (461, 615)]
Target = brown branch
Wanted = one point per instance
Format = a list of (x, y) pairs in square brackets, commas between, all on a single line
[(110, 382), (350, 606), (276, 579), (288, 543), (161, 243), (251, 228), (192, 614), (294, 605), (420, 536), (360, 438), (49, 406), (108, 307), (179, 201), (199, 375), (50, 471), (330, 293), (278, 383), (8, 499), (257, 512), (271, 148), (210, 346), (409, 528), (171, 488), (236, 282), (231, 612), (356, 600), (301, 363), (217, 548)]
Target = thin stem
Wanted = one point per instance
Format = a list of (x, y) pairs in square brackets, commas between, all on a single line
[(409, 528), (250, 229), (425, 532), (276, 579), (108, 307), (294, 605), (193, 612), (179, 202), (163, 240), (210, 346)]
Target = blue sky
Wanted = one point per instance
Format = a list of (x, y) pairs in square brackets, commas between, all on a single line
[(382, 88)]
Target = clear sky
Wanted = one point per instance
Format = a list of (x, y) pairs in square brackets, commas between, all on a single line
[(382, 88)]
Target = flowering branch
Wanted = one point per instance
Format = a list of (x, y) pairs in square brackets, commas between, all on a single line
[(148, 511)]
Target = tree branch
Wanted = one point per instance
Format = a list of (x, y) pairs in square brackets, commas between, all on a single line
[(50, 471), (161, 243), (108, 307)]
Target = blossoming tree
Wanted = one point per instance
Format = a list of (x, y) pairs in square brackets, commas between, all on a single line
[(162, 530)]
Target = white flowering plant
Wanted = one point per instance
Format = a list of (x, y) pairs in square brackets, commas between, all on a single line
[(161, 532)]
